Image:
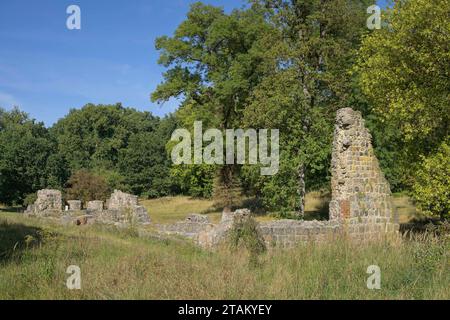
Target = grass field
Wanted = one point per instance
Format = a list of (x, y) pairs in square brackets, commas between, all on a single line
[(115, 264), (172, 209)]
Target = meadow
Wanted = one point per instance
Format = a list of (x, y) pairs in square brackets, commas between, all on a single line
[(116, 264)]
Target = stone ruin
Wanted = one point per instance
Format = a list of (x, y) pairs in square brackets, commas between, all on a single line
[(74, 205), (360, 208), (48, 203), (122, 208), (359, 188)]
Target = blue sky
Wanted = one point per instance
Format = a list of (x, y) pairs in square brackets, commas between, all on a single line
[(46, 69)]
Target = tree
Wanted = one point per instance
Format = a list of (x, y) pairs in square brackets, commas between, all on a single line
[(92, 137), (213, 64), (431, 188), (27, 160), (306, 78), (85, 186), (124, 146), (144, 162), (405, 73)]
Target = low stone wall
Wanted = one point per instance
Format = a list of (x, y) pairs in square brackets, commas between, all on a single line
[(288, 233), (123, 208), (74, 205), (189, 228), (360, 210), (95, 205)]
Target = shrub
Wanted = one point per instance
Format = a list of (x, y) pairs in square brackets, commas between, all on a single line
[(86, 186), (29, 199), (431, 188), (245, 233)]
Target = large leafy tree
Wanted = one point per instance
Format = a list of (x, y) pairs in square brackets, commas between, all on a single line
[(92, 137), (213, 63), (27, 159), (124, 146), (145, 164), (306, 78), (405, 73)]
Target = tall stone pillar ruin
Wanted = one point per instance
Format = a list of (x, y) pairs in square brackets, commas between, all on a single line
[(359, 188)]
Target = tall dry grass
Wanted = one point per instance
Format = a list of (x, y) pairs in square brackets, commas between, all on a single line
[(115, 264)]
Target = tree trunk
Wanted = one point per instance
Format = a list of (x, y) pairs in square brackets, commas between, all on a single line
[(301, 192)]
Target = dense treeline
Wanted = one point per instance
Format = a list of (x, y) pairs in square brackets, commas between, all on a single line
[(278, 64), (108, 146)]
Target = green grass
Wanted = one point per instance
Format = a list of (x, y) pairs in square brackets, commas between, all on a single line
[(172, 209), (114, 264), (405, 208)]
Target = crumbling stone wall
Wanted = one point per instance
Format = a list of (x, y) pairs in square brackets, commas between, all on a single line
[(121, 200), (360, 209), (122, 208), (359, 188), (189, 228), (74, 205), (95, 205), (361, 205), (48, 203)]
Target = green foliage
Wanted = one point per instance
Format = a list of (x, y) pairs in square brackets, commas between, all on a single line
[(93, 136), (114, 179), (245, 233), (194, 180), (145, 164), (30, 199), (86, 186), (124, 146), (405, 73), (307, 61), (431, 188), (389, 150), (27, 162), (212, 62)]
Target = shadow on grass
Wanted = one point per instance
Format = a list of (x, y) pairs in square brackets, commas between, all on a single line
[(15, 238), (424, 225), (11, 209)]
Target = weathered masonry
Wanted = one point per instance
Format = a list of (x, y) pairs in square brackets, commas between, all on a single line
[(121, 208), (360, 208)]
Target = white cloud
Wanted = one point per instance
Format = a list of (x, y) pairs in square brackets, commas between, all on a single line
[(7, 100)]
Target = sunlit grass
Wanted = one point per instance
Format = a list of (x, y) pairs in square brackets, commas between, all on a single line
[(172, 209), (117, 265)]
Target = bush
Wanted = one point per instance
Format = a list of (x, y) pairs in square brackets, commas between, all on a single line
[(245, 233), (431, 188), (86, 186), (29, 199)]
